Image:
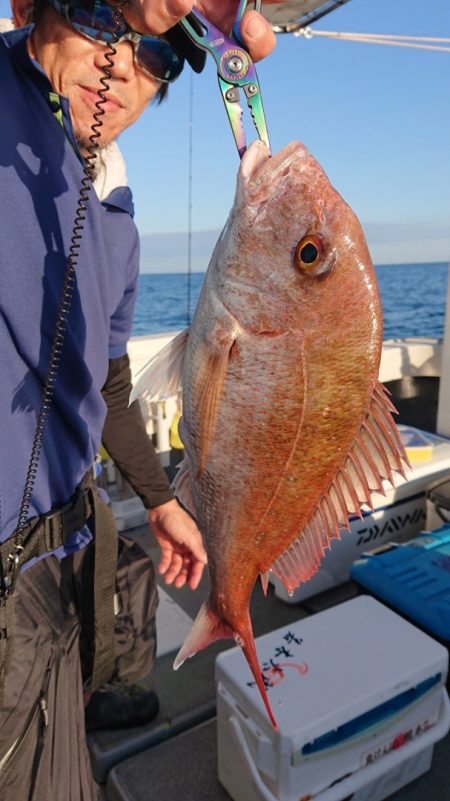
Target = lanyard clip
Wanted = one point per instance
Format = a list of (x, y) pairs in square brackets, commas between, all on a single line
[(9, 572)]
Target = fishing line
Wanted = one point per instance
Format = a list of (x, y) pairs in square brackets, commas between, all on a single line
[(392, 40)]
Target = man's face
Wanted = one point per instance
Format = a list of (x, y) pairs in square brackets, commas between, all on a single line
[(73, 66)]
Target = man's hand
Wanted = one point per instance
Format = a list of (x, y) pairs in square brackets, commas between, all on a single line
[(183, 557), (256, 32), (157, 16)]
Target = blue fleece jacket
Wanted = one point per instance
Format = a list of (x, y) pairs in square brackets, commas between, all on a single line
[(40, 174)]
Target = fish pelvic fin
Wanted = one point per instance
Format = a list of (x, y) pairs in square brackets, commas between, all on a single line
[(182, 486), (376, 453), (208, 628)]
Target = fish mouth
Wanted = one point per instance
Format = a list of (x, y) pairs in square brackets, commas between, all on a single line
[(261, 175), (257, 161)]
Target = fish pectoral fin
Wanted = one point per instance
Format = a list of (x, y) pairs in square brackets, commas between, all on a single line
[(208, 391), (376, 452), (160, 378), (206, 629)]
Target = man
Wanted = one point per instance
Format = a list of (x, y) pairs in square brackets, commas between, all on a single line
[(56, 393)]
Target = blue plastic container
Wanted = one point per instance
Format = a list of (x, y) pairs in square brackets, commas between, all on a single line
[(413, 578)]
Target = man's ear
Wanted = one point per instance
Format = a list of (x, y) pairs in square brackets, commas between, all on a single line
[(22, 12)]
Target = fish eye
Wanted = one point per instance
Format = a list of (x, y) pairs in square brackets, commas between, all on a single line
[(309, 252), (310, 256)]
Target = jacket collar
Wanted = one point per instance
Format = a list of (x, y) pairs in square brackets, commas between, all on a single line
[(17, 41), (114, 192)]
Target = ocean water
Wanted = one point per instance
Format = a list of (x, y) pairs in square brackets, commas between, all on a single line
[(413, 297)]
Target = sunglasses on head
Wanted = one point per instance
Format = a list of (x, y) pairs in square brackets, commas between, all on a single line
[(95, 20)]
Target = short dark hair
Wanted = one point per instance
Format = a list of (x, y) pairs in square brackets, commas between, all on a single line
[(38, 9)]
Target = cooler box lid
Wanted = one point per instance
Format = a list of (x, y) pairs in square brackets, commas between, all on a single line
[(334, 667), (413, 577)]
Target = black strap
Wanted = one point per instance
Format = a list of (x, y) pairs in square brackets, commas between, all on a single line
[(6, 639), (105, 565), (46, 533)]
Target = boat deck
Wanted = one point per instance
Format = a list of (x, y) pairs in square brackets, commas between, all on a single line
[(175, 756)]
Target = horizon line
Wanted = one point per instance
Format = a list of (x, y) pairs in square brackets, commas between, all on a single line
[(378, 264)]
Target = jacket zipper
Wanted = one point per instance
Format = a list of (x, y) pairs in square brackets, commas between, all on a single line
[(39, 707), (42, 732)]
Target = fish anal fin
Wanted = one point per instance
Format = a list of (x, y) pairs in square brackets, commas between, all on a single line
[(301, 560), (160, 378), (376, 453)]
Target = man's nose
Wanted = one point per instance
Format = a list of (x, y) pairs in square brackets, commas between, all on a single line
[(123, 65)]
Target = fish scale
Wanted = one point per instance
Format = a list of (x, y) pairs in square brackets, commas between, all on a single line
[(286, 428)]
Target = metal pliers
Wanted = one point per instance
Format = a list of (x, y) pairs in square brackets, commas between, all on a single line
[(235, 70)]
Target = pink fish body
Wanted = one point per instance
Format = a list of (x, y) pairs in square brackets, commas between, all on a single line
[(286, 427)]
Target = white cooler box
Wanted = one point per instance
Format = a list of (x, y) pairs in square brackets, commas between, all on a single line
[(398, 516), (358, 694)]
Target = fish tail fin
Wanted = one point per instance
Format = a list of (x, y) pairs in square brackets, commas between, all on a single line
[(206, 629), (247, 644)]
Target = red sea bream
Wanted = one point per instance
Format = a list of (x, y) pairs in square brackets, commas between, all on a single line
[(286, 427)]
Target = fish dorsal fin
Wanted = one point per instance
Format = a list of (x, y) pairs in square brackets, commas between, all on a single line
[(160, 378), (182, 486), (376, 453)]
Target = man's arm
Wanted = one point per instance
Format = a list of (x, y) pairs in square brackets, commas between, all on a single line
[(126, 440)]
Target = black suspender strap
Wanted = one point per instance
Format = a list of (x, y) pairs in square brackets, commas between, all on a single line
[(6, 639), (105, 565)]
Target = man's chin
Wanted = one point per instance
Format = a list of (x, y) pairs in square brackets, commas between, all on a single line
[(89, 143)]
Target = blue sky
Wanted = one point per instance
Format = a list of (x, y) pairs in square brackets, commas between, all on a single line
[(377, 118)]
